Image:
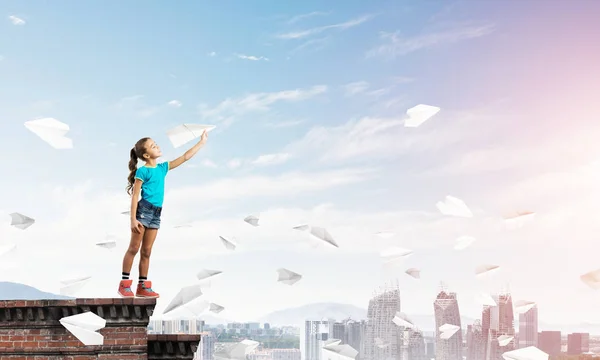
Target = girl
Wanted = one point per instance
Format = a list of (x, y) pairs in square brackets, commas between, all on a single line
[(145, 214)]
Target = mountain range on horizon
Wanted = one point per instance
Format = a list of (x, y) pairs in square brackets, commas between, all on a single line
[(297, 315)]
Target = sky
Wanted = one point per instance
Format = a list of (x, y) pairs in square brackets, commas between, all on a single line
[(309, 99)]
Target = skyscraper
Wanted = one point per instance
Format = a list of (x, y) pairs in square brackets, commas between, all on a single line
[(476, 342), (578, 343), (446, 311), (550, 342), (497, 321), (384, 338), (528, 328), (316, 333)]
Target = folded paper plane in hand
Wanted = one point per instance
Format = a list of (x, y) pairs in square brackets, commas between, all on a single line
[(185, 133), (51, 131), (84, 326)]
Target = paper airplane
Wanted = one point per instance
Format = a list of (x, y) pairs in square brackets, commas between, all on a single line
[(519, 220), (84, 326), (51, 131), (301, 227), (419, 114), (206, 273), (486, 270), (463, 242), (504, 340), (528, 353), (74, 285), (485, 300), (184, 296), (230, 245), (21, 221), (216, 308), (235, 351), (185, 133), (416, 273), (523, 306), (337, 351), (252, 220), (109, 243), (448, 330), (321, 234), (452, 206), (288, 277), (401, 319)]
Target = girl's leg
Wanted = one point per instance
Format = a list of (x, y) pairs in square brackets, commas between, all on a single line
[(147, 243), (134, 247)]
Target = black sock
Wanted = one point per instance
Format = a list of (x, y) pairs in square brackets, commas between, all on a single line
[(142, 279), (124, 276)]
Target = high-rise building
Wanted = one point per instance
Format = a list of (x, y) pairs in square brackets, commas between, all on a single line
[(476, 342), (578, 343), (416, 345), (446, 311), (528, 328), (550, 342), (355, 335), (497, 321), (315, 335), (384, 338), (206, 349), (285, 354)]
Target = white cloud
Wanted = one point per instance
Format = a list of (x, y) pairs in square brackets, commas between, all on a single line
[(234, 163), (300, 17), (395, 45), (16, 20), (258, 102), (208, 163), (317, 30), (283, 124), (252, 57), (312, 45), (356, 87), (175, 103), (271, 159)]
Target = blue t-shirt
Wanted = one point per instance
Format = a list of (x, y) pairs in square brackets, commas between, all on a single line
[(153, 182)]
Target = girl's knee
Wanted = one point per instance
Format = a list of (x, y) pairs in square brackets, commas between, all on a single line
[(145, 253)]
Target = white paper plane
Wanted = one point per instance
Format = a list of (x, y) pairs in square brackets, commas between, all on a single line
[(21, 221), (416, 273), (185, 133), (301, 227), (504, 340), (321, 234), (519, 220), (337, 351), (485, 299), (448, 330), (419, 114), (463, 242), (395, 255), (453, 206), (84, 326), (235, 351), (288, 277), (528, 353), (252, 220), (184, 296), (7, 248), (51, 131), (523, 306), (486, 270), (206, 273), (592, 279), (109, 243), (216, 308), (72, 286), (229, 244), (401, 319)]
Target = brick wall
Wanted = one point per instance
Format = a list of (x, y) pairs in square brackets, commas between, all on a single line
[(31, 329)]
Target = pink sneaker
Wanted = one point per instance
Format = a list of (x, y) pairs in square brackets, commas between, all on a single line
[(125, 289)]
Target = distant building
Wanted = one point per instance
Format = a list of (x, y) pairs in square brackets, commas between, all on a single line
[(528, 328), (476, 342), (550, 342), (286, 354), (384, 338), (446, 311), (206, 349), (315, 335), (578, 343)]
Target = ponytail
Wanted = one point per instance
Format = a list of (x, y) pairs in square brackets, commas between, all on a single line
[(133, 160), (136, 153)]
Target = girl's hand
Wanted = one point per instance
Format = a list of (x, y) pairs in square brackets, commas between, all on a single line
[(136, 226), (204, 136)]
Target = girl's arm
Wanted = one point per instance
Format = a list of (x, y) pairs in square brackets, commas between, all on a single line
[(190, 153), (137, 186)]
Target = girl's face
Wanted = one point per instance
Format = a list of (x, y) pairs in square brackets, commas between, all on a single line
[(152, 150)]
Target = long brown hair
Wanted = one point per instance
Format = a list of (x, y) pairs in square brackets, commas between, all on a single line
[(137, 152)]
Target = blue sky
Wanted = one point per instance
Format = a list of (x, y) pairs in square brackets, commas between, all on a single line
[(516, 84)]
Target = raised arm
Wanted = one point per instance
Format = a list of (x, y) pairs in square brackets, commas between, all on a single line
[(190, 153)]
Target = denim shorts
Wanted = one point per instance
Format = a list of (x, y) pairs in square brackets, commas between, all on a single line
[(148, 214)]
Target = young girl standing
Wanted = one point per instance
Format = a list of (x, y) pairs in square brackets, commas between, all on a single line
[(145, 213)]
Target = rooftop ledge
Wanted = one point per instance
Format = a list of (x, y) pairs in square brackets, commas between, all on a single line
[(32, 328)]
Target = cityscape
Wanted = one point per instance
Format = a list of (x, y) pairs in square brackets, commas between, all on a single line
[(388, 333)]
